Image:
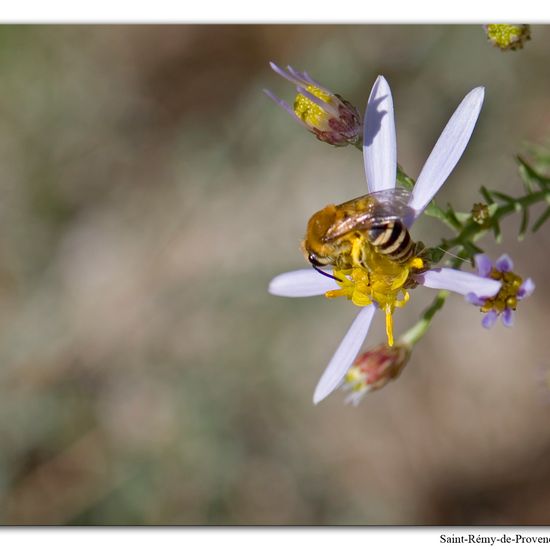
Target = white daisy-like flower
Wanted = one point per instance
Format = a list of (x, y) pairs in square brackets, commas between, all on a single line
[(380, 156)]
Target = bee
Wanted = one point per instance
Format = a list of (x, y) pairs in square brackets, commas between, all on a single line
[(381, 218)]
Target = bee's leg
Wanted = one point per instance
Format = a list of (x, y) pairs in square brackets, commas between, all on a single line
[(358, 251)]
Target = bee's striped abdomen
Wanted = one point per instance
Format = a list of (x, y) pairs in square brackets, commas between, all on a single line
[(392, 239)]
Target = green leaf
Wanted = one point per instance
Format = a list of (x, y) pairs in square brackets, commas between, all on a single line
[(402, 178), (463, 217), (542, 219), (451, 216), (524, 224), (435, 254), (530, 173), (527, 181), (502, 196), (486, 195), (471, 250), (496, 231)]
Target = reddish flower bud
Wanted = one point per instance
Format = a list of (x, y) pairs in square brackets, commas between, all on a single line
[(373, 369)]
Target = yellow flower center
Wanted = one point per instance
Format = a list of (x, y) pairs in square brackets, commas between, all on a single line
[(311, 113), (507, 297), (374, 278)]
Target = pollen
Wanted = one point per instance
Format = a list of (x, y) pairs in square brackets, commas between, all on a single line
[(507, 297), (375, 279), (311, 113)]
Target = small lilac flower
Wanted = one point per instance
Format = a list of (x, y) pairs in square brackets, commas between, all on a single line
[(513, 289), (380, 156), (328, 116)]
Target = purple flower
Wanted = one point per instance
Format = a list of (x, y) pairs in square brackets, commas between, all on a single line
[(328, 116), (513, 289)]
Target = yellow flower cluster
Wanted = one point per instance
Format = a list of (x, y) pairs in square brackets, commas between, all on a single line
[(375, 279)]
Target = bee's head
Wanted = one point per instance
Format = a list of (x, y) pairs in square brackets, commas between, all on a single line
[(321, 261), (320, 223), (315, 253), (314, 245)]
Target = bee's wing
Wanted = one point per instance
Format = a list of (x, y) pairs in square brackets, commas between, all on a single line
[(393, 204), (387, 205), (355, 221)]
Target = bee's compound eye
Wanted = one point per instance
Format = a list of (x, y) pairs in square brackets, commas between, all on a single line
[(316, 261), (312, 259)]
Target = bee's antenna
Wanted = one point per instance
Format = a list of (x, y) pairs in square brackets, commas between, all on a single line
[(326, 274), (450, 253)]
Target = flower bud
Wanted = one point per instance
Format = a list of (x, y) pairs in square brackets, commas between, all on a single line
[(328, 116), (374, 368), (480, 213)]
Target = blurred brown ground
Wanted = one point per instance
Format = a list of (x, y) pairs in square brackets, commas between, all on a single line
[(149, 191)]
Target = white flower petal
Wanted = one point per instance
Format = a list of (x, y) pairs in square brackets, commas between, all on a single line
[(379, 144), (346, 353), (301, 283), (461, 282), (447, 150)]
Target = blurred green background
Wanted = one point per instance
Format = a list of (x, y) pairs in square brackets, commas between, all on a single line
[(150, 191)]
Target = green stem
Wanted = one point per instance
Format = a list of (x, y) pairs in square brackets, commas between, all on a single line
[(467, 234), (472, 231), (417, 331)]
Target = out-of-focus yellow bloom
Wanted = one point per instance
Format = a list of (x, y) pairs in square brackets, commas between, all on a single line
[(508, 37)]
